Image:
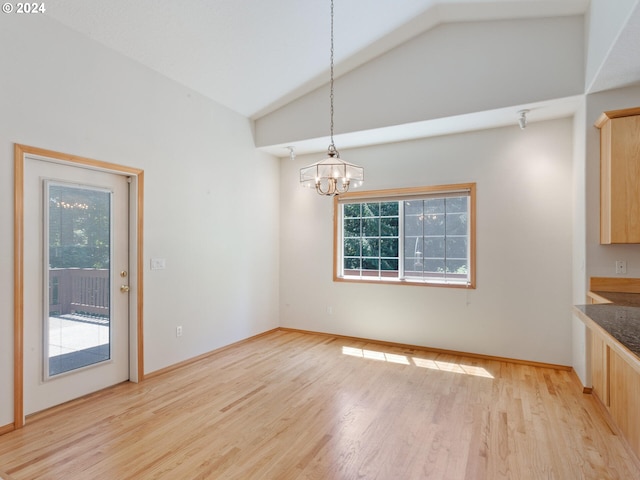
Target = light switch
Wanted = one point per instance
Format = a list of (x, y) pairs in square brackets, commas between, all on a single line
[(158, 264)]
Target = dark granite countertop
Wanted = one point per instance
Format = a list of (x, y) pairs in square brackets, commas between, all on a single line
[(620, 321)]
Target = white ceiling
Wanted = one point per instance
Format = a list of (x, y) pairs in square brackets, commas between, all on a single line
[(254, 56), (622, 65)]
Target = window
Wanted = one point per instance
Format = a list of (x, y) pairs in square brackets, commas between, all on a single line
[(420, 235)]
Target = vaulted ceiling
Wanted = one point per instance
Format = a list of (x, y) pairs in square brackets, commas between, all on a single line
[(254, 56)]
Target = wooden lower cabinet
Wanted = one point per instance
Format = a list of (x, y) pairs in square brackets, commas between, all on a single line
[(600, 367), (624, 398), (615, 377)]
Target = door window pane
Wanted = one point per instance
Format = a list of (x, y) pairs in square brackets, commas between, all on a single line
[(77, 323)]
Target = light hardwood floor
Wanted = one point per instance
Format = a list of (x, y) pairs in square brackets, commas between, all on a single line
[(290, 405)]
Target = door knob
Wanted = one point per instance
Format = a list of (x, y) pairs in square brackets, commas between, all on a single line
[(124, 288)]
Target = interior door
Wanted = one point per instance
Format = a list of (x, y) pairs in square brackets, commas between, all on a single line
[(76, 300)]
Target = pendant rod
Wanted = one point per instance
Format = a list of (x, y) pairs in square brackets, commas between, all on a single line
[(332, 147)]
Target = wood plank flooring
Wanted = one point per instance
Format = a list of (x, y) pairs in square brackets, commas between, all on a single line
[(290, 405)]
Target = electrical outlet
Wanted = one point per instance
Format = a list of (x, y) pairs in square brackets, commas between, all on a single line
[(621, 267), (179, 331)]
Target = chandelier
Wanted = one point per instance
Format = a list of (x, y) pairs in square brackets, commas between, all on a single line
[(331, 176)]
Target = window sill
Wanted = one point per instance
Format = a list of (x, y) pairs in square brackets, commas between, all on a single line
[(397, 281)]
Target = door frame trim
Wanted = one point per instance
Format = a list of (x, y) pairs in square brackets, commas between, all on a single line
[(136, 209)]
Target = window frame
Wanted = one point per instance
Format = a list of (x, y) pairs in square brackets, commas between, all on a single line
[(400, 195)]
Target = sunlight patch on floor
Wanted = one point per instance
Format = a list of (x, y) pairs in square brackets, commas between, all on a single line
[(418, 362), (376, 355)]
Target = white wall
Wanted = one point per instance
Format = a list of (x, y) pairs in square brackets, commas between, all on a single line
[(453, 69), (521, 307), (211, 201)]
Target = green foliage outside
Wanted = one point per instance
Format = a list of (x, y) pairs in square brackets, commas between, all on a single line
[(78, 227), (371, 236)]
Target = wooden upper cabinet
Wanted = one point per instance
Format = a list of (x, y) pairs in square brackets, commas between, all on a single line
[(620, 176)]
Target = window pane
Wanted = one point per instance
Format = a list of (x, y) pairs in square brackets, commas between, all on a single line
[(456, 223), (456, 247), (370, 209), (370, 227), (413, 207), (389, 227), (352, 264), (413, 254), (370, 264), (413, 225), (389, 247), (434, 265), (352, 247), (389, 209), (389, 265), (434, 224), (434, 247), (352, 227), (370, 247), (434, 205), (457, 266), (457, 204), (78, 318), (436, 237), (363, 239), (413, 245), (352, 210)]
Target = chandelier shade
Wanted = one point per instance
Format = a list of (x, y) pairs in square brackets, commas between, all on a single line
[(332, 176)]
